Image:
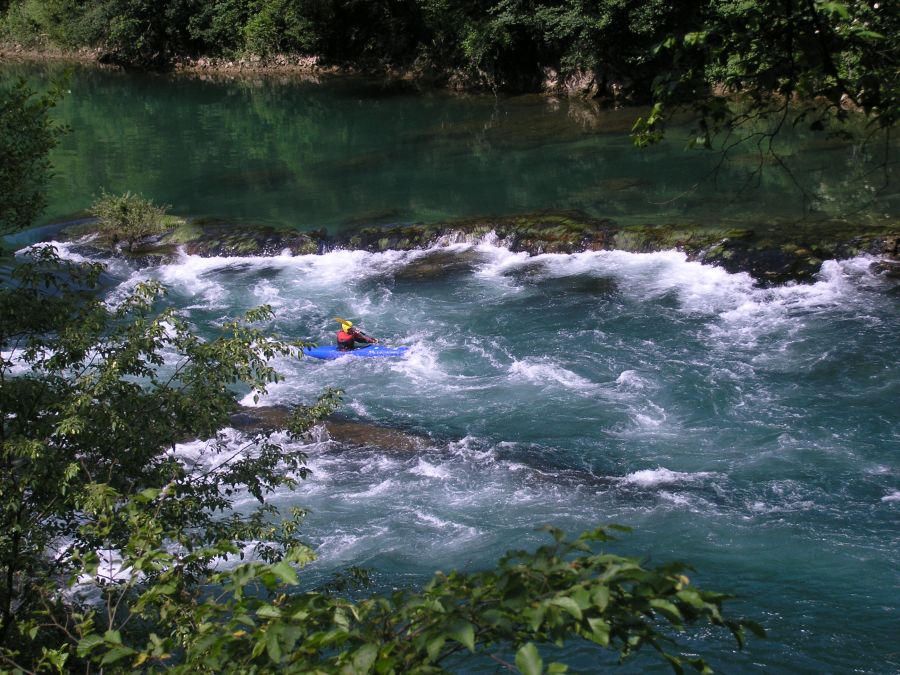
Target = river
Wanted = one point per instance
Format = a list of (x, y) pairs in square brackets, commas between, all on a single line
[(750, 431)]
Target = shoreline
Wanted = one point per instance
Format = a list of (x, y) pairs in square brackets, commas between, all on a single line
[(580, 85), (276, 64)]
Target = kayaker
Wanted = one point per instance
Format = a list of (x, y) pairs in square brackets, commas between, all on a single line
[(349, 335)]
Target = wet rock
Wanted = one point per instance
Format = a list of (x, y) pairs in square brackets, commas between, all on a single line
[(889, 265), (771, 253), (264, 418), (888, 268), (439, 264), (202, 237), (396, 237), (359, 434), (342, 431), (214, 238), (769, 265)]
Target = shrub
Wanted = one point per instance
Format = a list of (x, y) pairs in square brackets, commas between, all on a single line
[(129, 217)]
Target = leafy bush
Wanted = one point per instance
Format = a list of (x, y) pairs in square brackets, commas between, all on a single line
[(58, 23), (129, 218)]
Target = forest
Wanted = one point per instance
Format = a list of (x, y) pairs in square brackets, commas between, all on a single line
[(631, 51)]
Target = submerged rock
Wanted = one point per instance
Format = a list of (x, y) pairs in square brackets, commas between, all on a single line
[(438, 264), (342, 431)]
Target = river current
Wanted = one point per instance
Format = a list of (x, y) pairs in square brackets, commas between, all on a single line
[(750, 431)]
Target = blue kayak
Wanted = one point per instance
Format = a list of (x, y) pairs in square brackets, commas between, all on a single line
[(331, 352)]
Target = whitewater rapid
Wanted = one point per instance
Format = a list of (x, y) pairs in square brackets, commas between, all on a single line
[(750, 430)]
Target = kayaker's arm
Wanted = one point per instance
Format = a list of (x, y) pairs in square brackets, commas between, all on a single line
[(362, 337)]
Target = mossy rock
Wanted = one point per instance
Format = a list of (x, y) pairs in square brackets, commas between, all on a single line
[(770, 253)]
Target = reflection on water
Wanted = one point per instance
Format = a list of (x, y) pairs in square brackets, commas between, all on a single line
[(348, 152)]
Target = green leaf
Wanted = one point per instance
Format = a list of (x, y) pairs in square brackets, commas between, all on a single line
[(599, 631), (754, 628), (286, 572), (116, 654), (88, 644), (268, 612), (528, 660), (464, 633), (273, 647), (113, 636), (364, 658), (667, 609), (692, 598), (569, 605), (150, 494), (600, 598), (675, 662), (434, 647), (836, 8)]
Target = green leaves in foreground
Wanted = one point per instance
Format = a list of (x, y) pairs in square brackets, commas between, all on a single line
[(257, 620)]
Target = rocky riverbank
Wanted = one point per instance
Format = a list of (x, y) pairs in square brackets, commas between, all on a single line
[(583, 84), (769, 254)]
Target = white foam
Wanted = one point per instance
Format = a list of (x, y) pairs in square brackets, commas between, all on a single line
[(629, 379), (64, 249), (428, 470), (500, 262), (342, 546), (676, 499), (117, 266), (893, 497), (545, 371), (661, 476), (14, 364), (267, 293), (381, 488)]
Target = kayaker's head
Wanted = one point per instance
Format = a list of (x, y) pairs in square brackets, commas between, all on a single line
[(346, 326)]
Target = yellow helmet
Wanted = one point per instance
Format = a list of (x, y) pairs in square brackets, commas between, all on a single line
[(345, 324)]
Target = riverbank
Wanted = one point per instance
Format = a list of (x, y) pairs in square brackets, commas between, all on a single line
[(581, 84)]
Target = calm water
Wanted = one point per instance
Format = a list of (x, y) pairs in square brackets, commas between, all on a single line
[(750, 431), (306, 155)]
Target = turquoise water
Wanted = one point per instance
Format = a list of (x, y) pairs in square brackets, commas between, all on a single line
[(752, 432), (306, 155)]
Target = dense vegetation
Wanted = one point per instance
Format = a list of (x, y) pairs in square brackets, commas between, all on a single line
[(118, 552), (846, 53)]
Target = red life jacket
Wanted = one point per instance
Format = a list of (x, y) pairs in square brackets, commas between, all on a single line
[(345, 339)]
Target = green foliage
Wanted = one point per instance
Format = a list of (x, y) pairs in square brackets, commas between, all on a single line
[(27, 134), (143, 33), (90, 415), (612, 38), (260, 622), (129, 218), (676, 55), (58, 23), (810, 62)]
